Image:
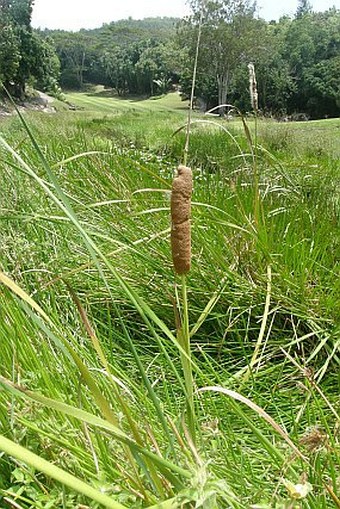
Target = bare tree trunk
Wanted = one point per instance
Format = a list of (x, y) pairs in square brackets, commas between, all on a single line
[(82, 68), (222, 82), (19, 90)]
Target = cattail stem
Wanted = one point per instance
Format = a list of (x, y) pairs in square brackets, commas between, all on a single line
[(186, 362), (181, 248), (181, 255), (256, 180), (192, 95), (254, 99)]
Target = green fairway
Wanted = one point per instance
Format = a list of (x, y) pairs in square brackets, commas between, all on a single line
[(106, 102)]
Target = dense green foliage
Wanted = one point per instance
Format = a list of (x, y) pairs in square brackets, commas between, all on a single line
[(88, 236), (296, 60), (127, 55), (230, 36), (24, 56)]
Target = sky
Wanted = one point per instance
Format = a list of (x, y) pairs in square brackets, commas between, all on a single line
[(76, 14)]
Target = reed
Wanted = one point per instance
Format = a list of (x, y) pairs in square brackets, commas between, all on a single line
[(180, 220), (181, 248), (254, 97), (181, 256)]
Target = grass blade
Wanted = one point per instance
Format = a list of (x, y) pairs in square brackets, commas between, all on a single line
[(47, 468), (93, 420), (262, 413)]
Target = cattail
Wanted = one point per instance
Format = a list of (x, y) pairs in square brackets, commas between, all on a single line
[(180, 220), (254, 98)]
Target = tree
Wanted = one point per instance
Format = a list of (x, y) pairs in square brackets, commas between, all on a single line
[(97, 56), (158, 64), (73, 53), (9, 46), (312, 48), (22, 53), (230, 36), (276, 84), (148, 66), (9, 55), (46, 67), (304, 7), (120, 70), (206, 91), (19, 13)]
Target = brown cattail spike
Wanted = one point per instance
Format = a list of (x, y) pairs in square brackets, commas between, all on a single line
[(180, 220)]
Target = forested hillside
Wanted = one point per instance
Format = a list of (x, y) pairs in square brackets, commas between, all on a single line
[(127, 55), (297, 59)]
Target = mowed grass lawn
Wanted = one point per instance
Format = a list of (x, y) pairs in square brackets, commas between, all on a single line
[(94, 378), (106, 101)]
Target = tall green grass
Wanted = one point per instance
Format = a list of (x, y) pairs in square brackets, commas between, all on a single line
[(91, 374)]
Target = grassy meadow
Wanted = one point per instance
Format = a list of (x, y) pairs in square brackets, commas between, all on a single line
[(102, 403)]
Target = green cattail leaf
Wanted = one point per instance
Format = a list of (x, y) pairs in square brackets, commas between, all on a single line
[(93, 420), (47, 468)]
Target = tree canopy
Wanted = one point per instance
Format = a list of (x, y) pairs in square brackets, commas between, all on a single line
[(230, 37), (128, 55), (24, 55), (296, 59)]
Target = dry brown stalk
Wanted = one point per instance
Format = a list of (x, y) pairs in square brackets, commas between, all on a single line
[(180, 220), (253, 87)]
